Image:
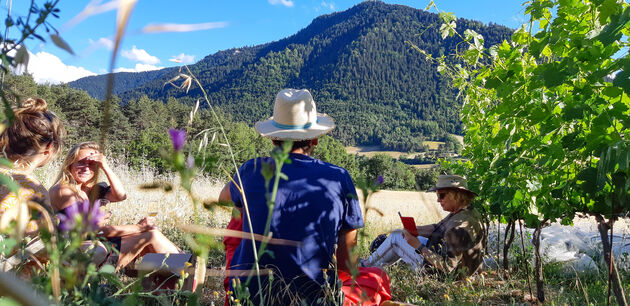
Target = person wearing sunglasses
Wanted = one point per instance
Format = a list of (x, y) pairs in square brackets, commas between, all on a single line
[(453, 246), (77, 182)]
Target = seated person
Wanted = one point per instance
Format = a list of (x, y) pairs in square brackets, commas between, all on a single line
[(31, 141), (454, 245), (77, 182), (316, 207)]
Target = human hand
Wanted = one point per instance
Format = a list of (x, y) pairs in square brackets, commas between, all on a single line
[(107, 215), (98, 159), (147, 224), (411, 239)]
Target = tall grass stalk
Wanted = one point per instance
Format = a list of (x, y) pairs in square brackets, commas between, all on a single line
[(231, 152)]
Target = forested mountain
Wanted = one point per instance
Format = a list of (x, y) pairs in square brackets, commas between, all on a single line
[(96, 86), (356, 63)]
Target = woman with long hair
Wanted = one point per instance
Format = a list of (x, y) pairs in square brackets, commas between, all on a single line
[(30, 141), (77, 181)]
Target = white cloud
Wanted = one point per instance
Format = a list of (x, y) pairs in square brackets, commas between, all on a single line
[(288, 3), (139, 68), (92, 8), (174, 27), (329, 5), (183, 58), (102, 43), (48, 68), (140, 55)]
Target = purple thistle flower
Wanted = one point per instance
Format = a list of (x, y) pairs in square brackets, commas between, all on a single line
[(95, 216), (88, 215), (178, 138), (379, 180), (67, 220)]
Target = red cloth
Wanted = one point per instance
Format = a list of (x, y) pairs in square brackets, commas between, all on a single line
[(231, 243), (370, 288)]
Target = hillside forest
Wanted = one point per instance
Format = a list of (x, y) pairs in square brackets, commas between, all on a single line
[(138, 135), (358, 64)]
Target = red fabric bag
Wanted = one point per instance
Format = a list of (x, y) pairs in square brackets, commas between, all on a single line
[(370, 288), (231, 243)]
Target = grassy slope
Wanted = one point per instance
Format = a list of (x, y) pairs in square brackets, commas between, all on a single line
[(491, 287)]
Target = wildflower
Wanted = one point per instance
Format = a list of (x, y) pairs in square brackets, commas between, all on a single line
[(379, 180), (190, 162), (178, 138), (67, 220), (88, 215)]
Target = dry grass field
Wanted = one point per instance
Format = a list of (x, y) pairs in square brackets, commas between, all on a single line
[(175, 208), (370, 151)]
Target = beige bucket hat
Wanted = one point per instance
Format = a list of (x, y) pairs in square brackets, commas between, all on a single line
[(452, 182), (295, 118)]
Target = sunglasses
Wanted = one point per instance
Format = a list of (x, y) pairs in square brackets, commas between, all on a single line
[(442, 195), (84, 163)]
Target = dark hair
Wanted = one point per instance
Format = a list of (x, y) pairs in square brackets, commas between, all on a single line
[(299, 144), (33, 128)]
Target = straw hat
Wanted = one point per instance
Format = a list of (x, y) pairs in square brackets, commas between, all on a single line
[(295, 118), (452, 182)]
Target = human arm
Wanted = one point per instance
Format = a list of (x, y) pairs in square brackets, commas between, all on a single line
[(346, 242), (116, 192), (62, 197), (225, 196), (425, 230), (146, 224), (351, 221)]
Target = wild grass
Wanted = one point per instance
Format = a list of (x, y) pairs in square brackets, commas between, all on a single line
[(493, 286)]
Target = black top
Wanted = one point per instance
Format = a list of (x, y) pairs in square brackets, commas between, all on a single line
[(98, 191)]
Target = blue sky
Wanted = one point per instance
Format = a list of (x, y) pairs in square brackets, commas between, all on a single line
[(223, 24)]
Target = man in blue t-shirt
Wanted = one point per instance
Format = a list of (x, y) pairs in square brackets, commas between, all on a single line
[(316, 209)]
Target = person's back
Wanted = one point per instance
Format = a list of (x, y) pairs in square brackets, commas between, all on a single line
[(315, 208), (311, 207), (29, 142)]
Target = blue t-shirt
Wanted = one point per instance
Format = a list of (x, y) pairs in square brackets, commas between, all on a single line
[(312, 206)]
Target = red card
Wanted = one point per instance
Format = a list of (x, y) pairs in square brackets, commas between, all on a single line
[(409, 224)]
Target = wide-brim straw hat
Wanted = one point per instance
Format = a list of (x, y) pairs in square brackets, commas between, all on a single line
[(295, 117), (451, 182)]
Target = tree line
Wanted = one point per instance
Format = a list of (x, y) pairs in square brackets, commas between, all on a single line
[(138, 135)]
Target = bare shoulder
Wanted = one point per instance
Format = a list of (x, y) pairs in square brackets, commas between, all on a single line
[(61, 196), (61, 190)]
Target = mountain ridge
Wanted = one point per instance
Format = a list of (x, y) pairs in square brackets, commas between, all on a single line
[(356, 63)]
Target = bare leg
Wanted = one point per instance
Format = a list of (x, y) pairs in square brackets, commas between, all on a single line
[(97, 249), (136, 245)]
